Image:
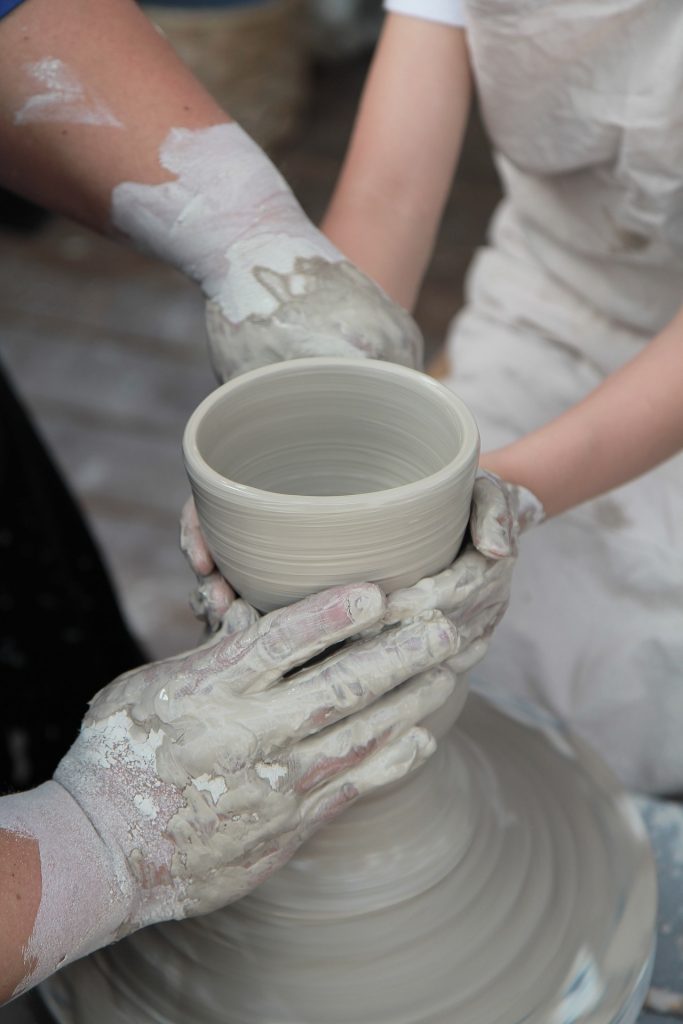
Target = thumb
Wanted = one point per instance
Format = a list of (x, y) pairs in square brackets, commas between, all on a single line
[(493, 520), (213, 595), (500, 513), (192, 543)]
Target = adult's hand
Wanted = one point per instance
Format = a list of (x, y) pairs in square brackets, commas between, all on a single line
[(194, 778), (213, 595), (215, 769), (276, 287), (320, 307), (150, 155)]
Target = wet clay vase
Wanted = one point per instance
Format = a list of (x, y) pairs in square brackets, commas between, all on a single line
[(509, 880), (315, 472)]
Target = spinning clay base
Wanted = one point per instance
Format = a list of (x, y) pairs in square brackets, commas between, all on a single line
[(509, 880)]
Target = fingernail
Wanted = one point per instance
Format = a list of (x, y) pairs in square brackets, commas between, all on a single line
[(366, 604), (358, 604)]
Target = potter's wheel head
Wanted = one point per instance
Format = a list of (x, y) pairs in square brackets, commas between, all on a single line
[(509, 881)]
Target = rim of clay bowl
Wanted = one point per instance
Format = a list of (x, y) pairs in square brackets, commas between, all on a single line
[(197, 466)]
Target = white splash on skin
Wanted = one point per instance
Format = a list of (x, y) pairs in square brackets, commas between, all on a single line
[(63, 98), (116, 737), (271, 771), (215, 785), (145, 805), (80, 910), (226, 212), (275, 284)]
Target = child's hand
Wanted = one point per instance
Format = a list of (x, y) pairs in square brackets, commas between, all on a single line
[(474, 591), (213, 595)]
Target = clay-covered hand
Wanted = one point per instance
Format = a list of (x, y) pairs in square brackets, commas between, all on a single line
[(474, 591), (276, 287), (204, 773), (500, 513), (213, 595), (322, 306)]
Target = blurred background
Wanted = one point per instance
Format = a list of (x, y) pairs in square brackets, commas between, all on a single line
[(107, 347)]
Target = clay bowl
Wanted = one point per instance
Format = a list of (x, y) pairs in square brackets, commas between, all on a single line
[(315, 472)]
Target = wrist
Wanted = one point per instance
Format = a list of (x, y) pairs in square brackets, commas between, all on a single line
[(384, 238), (112, 775), (509, 465), (227, 219), (85, 889)]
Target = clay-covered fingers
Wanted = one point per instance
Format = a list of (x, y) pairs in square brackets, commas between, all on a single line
[(239, 616), (359, 674), (470, 581), (211, 599), (500, 513), (475, 631), (192, 543), (469, 656), (213, 595), (338, 750), (390, 764), (338, 311), (493, 524), (256, 658), (473, 593)]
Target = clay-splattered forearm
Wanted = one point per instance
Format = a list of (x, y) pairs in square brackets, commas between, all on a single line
[(105, 124), (88, 92), (277, 288)]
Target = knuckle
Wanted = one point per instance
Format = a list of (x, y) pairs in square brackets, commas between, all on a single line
[(276, 642)]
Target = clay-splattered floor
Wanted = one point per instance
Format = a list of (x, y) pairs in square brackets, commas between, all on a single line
[(107, 348)]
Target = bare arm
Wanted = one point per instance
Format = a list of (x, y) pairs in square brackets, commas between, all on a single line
[(405, 146), (88, 91), (624, 428), (103, 122), (20, 887)]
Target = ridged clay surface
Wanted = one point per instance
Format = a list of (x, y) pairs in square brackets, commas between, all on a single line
[(316, 472)]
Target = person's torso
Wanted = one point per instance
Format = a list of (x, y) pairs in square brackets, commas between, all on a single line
[(584, 105)]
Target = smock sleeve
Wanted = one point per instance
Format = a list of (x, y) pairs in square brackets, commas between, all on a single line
[(449, 12)]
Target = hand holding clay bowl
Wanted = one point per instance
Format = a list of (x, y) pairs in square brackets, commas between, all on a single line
[(316, 472), (508, 880)]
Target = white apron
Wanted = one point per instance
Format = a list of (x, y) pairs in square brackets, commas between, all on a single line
[(584, 104)]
